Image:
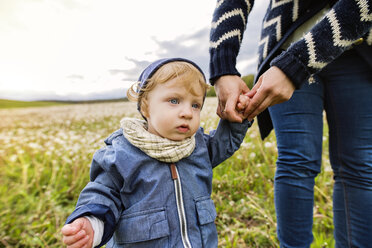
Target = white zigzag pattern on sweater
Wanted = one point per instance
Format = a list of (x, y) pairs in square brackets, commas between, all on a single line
[(228, 15), (277, 20), (311, 51), (264, 41), (363, 5), (248, 6), (369, 37), (295, 6), (336, 33), (225, 36), (219, 3)]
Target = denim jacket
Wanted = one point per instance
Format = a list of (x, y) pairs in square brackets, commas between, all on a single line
[(147, 203)]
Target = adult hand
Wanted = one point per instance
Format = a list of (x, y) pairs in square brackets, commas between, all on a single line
[(78, 234), (228, 88), (271, 88)]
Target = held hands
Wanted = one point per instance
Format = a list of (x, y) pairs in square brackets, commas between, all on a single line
[(78, 234), (271, 88), (231, 90)]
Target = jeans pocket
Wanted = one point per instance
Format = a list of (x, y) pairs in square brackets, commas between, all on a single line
[(145, 229), (206, 216)]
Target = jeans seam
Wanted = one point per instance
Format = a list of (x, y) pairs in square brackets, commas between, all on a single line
[(348, 226), (340, 170)]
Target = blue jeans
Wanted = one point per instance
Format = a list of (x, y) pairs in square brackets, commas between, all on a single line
[(344, 90)]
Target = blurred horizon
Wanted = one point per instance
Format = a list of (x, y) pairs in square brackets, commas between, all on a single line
[(77, 50), (119, 93)]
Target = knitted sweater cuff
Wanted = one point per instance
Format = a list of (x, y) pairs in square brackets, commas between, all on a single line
[(222, 62), (295, 70)]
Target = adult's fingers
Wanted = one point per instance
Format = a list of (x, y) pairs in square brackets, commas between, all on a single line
[(251, 93), (256, 86), (264, 104), (264, 99), (254, 103), (220, 108), (230, 113), (228, 88)]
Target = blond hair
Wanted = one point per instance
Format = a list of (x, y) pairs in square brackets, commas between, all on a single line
[(168, 71)]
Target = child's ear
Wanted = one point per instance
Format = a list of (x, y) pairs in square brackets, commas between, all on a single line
[(144, 108)]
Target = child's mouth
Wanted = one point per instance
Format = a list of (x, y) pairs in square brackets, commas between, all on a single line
[(183, 128)]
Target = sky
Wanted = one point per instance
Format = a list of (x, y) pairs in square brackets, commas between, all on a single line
[(84, 50)]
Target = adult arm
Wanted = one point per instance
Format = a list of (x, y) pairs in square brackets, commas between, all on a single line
[(344, 24), (227, 29)]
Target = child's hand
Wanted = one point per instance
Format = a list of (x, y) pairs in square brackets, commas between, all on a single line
[(78, 234), (243, 102)]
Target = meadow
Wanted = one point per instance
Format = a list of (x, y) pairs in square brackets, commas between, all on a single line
[(45, 153), (25, 104)]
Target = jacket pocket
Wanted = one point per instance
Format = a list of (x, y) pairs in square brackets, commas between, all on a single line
[(146, 228), (206, 216)]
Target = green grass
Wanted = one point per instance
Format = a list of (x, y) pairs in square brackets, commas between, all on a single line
[(6, 104), (23, 104), (44, 164)]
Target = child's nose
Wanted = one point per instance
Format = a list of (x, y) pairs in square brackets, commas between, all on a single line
[(186, 112)]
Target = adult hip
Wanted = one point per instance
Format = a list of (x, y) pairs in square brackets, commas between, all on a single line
[(344, 90)]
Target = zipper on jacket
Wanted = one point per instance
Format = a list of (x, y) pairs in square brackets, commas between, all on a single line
[(180, 207)]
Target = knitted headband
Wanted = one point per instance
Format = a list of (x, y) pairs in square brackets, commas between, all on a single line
[(153, 67)]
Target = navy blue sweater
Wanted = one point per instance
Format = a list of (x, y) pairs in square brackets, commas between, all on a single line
[(343, 26)]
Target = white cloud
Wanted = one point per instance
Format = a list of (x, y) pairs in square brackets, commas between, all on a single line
[(43, 43)]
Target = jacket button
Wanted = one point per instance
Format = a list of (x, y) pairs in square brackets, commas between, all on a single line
[(358, 41)]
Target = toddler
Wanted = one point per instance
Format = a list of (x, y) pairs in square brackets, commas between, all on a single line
[(151, 185)]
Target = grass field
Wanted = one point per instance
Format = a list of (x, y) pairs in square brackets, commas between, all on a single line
[(24, 104), (44, 163), (8, 104)]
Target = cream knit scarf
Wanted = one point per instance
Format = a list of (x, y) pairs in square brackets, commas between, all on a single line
[(162, 149)]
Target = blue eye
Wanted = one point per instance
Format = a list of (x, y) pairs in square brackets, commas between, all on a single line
[(174, 101), (195, 105)]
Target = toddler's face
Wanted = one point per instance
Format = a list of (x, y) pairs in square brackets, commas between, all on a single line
[(173, 112)]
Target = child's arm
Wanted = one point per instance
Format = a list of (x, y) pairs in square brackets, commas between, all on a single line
[(227, 138), (100, 197), (78, 234), (223, 142)]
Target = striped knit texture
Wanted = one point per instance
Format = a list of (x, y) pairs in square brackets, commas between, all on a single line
[(343, 25), (227, 29)]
